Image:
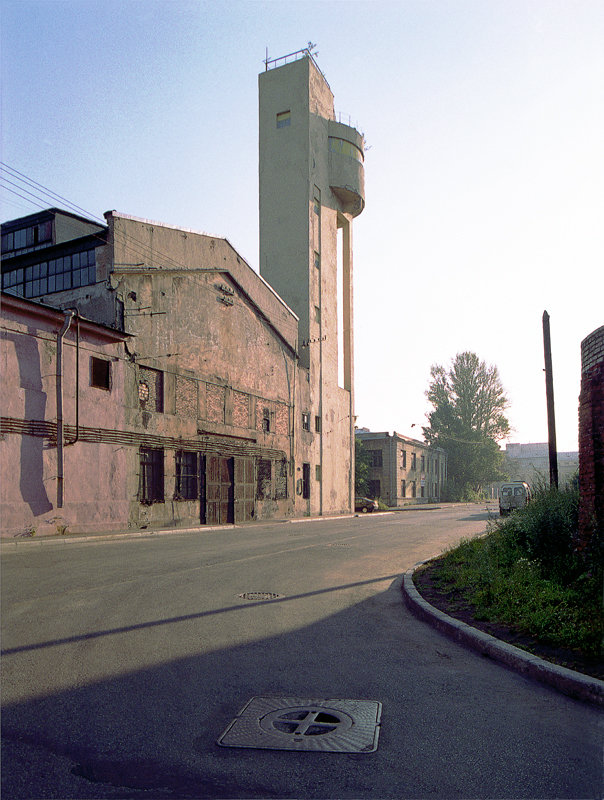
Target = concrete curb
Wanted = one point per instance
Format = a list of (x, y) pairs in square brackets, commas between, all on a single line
[(568, 681)]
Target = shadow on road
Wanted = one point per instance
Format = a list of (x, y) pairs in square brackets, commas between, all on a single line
[(453, 724)]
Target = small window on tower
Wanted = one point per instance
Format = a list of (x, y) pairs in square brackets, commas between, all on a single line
[(284, 119)]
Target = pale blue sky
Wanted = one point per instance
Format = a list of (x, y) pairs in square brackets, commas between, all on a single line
[(484, 173)]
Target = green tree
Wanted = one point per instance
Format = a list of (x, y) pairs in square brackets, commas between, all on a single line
[(361, 469), (467, 421)]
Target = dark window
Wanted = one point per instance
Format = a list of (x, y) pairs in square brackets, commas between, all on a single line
[(306, 481), (413, 462), (318, 424), (305, 421), (151, 482), (266, 420), (374, 488), (376, 458), (263, 483), (403, 488), (404, 459), (186, 476), (100, 373), (423, 463), (55, 275), (284, 119), (413, 488)]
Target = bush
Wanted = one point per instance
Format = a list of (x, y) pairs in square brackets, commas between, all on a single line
[(546, 531), (527, 572)]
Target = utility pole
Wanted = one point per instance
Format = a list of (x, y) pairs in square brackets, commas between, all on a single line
[(549, 393)]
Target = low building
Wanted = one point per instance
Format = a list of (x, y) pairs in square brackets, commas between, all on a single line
[(530, 462), (403, 470), (64, 439)]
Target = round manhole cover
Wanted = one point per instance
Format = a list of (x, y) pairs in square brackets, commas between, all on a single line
[(260, 596)]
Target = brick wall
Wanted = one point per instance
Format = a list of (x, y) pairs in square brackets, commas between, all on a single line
[(591, 437)]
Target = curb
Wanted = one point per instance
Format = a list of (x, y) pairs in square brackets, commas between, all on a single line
[(138, 533), (567, 681)]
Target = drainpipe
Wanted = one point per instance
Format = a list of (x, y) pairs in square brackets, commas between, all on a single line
[(69, 314), (77, 380)]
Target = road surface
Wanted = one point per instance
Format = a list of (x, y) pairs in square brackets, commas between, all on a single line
[(125, 660)]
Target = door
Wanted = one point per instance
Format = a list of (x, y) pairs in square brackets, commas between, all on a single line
[(245, 489), (220, 494)]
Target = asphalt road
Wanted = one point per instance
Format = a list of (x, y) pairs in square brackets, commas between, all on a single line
[(125, 660)]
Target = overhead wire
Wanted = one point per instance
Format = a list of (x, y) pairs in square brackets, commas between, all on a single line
[(133, 245)]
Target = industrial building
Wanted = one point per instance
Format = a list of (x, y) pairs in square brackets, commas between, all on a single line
[(224, 395)]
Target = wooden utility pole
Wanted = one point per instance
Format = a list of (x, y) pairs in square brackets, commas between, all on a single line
[(549, 393)]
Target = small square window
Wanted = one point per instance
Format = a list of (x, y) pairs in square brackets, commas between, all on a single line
[(284, 119), (100, 373)]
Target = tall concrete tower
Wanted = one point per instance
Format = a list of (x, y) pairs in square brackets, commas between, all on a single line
[(311, 188)]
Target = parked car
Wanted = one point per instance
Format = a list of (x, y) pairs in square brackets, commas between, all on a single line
[(365, 504), (512, 496)]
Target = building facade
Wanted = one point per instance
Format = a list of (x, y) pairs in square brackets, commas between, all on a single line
[(230, 406), (530, 462), (403, 471)]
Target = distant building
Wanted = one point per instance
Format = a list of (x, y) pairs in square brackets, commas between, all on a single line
[(403, 470), (235, 399), (530, 463)]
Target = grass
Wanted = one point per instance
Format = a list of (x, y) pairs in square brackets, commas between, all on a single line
[(527, 573)]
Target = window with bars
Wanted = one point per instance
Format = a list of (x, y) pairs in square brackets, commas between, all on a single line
[(151, 478), (186, 476)]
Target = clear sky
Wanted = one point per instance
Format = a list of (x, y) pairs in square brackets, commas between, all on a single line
[(484, 121)]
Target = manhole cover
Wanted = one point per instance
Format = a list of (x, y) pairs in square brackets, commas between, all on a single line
[(260, 596), (293, 723)]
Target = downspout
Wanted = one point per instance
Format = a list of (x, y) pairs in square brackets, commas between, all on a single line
[(69, 314), (77, 381)]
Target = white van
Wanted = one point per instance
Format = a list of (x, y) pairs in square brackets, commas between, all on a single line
[(512, 496)]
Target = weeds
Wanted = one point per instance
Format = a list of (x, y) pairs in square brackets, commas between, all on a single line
[(527, 572)]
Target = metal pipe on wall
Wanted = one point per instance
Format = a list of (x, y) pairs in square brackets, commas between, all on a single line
[(69, 314)]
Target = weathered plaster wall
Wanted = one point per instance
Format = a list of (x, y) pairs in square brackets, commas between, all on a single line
[(94, 471)]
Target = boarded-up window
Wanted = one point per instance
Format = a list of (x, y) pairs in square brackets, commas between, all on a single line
[(151, 389), (282, 419), (215, 402), (186, 397), (263, 483), (241, 410)]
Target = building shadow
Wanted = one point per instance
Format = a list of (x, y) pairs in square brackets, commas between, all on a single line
[(449, 728)]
